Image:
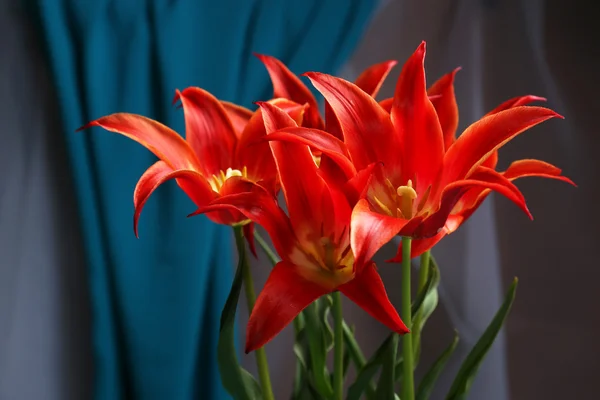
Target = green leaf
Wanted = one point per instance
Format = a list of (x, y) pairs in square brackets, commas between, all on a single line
[(385, 386), (369, 370), (317, 350), (353, 348), (464, 379), (428, 382), (424, 306), (325, 303), (238, 382)]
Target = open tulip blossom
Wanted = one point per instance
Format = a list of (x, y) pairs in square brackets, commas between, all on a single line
[(352, 178)]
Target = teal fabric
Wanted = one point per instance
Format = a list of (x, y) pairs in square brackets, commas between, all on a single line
[(156, 300)]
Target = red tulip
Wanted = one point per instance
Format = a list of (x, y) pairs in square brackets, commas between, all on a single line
[(474, 197), (313, 242), (218, 157), (421, 171), (289, 86)]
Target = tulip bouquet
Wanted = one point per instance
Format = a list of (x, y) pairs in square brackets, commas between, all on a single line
[(353, 179)]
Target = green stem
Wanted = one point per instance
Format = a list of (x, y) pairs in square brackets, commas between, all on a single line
[(338, 348), (423, 276), (266, 248), (407, 346), (260, 354)]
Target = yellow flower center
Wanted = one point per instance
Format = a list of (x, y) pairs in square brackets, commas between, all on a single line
[(406, 198), (325, 261), (395, 201), (217, 181)]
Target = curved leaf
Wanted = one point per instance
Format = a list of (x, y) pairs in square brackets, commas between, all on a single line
[(468, 370), (426, 386), (364, 376), (237, 381)]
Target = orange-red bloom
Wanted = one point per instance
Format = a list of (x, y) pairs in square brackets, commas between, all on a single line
[(447, 111), (421, 172), (313, 242), (289, 86), (218, 157)]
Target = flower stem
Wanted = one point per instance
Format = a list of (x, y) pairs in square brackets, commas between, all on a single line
[(407, 345), (416, 329), (260, 354), (338, 348)]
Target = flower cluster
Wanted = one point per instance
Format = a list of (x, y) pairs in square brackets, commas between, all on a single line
[(352, 180)]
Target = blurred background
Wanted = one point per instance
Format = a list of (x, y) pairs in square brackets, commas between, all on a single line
[(88, 311)]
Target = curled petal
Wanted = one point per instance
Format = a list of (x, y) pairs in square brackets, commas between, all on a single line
[(417, 124), (320, 141), (194, 185), (370, 231), (516, 102), (208, 129), (368, 292), (445, 106), (488, 134), (289, 86), (483, 178), (492, 160), (256, 156), (529, 167), (260, 207), (238, 115), (366, 127), (284, 296), (165, 143)]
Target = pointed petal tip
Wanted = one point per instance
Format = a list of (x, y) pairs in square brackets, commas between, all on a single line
[(86, 126), (176, 97)]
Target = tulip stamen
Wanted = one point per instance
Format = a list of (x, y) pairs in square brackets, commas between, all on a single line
[(406, 198), (217, 181)]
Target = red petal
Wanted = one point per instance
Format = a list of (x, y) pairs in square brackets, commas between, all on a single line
[(304, 189), (367, 129), (249, 235), (527, 168), (283, 297), (419, 246), (372, 78), (368, 292), (357, 186), (260, 207), (492, 160), (484, 178), (257, 156), (516, 102), (370, 231), (370, 82), (238, 115), (165, 143), (190, 181), (386, 104), (445, 106), (416, 121), (289, 86), (487, 135), (317, 140), (208, 130)]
